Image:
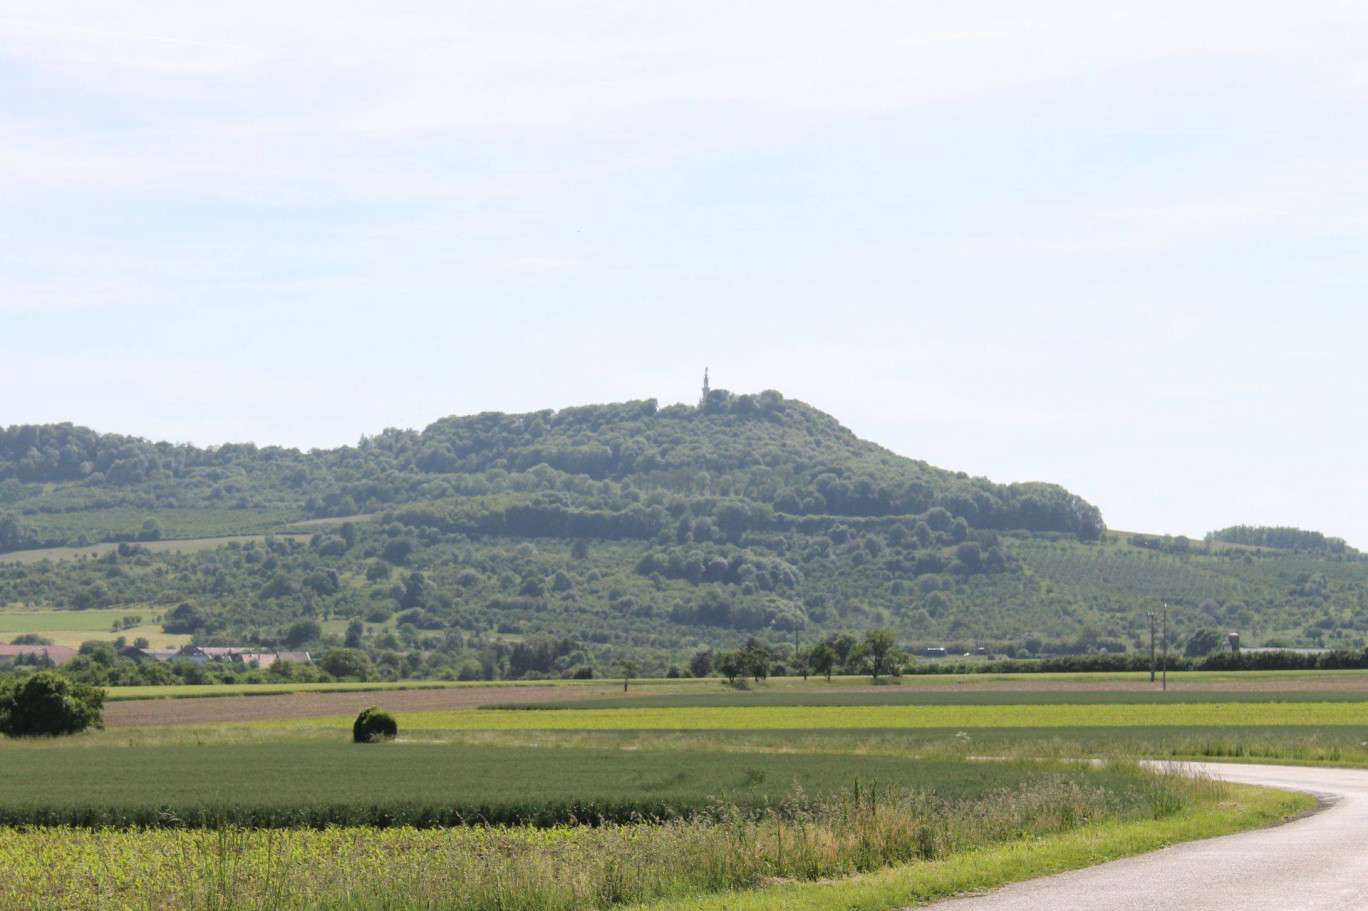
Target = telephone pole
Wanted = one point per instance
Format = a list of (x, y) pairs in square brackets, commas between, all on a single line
[(1151, 615), (1166, 646)]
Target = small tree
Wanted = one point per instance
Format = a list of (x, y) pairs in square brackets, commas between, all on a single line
[(701, 664), (878, 651), (822, 659), (729, 663), (1203, 642), (757, 659), (47, 704), (347, 662), (630, 669), (373, 725)]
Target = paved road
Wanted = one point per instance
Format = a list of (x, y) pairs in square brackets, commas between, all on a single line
[(1317, 862)]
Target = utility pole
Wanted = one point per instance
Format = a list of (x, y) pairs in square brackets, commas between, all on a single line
[(1166, 646), (1151, 616)]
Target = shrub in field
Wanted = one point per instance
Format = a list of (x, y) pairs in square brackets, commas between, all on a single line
[(372, 725), (46, 703)]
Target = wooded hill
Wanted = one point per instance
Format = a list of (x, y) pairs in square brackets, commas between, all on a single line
[(626, 528)]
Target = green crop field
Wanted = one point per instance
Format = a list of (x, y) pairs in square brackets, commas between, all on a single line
[(689, 793), (426, 783), (896, 716)]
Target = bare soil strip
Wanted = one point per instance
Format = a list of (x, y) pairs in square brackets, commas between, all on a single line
[(220, 709)]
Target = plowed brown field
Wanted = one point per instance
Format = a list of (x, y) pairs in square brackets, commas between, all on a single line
[(155, 712)]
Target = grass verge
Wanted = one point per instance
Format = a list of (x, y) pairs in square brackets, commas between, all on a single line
[(992, 867)]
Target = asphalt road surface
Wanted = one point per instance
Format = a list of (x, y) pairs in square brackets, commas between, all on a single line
[(1316, 862)]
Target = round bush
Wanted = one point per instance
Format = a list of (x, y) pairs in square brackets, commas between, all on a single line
[(373, 725), (46, 704)]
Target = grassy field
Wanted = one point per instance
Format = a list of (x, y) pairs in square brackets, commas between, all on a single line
[(73, 627), (180, 545), (101, 524)]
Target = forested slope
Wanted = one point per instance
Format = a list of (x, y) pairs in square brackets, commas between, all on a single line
[(593, 532)]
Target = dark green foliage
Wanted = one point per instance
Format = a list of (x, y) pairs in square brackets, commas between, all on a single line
[(302, 632), (626, 530), (1203, 642), (48, 704), (877, 653), (761, 455), (373, 725), (1282, 538), (347, 664)]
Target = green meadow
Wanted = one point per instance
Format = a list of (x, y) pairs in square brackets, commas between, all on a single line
[(859, 717)]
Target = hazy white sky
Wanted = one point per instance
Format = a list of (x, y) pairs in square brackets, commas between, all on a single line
[(1123, 247)]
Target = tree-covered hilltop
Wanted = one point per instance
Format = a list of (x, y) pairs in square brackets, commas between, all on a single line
[(582, 470), (507, 545), (1280, 538)]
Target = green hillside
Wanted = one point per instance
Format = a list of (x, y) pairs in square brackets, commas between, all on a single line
[(502, 544)]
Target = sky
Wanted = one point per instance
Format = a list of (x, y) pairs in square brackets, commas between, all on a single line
[(1120, 247)]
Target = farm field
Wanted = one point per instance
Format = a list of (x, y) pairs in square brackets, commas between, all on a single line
[(328, 700), (126, 522), (71, 628), (856, 717), (962, 696), (1245, 682), (698, 791), (286, 784), (166, 546)]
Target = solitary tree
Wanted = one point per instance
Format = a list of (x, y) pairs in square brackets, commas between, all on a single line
[(756, 657), (630, 669), (878, 651), (347, 662), (1202, 643), (355, 630), (822, 659)]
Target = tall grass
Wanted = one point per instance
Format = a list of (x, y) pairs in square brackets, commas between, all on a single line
[(863, 828)]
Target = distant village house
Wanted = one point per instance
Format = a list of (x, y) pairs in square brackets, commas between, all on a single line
[(199, 654)]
